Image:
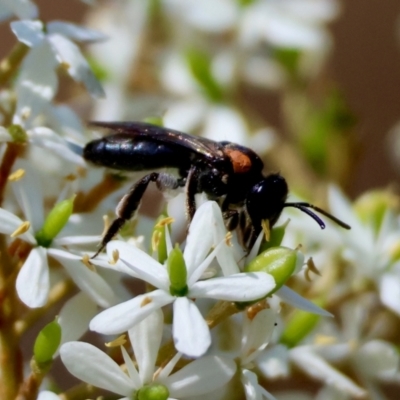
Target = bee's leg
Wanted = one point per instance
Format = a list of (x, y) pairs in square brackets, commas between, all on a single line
[(231, 218), (191, 190), (131, 201)]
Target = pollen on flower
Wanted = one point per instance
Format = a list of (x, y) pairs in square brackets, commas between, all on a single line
[(155, 240), (164, 222), (86, 261), (106, 221), (26, 112), (16, 175), (266, 229), (228, 239), (311, 268), (145, 301), (65, 65), (24, 227), (119, 341), (115, 257), (254, 309), (71, 177), (324, 339)]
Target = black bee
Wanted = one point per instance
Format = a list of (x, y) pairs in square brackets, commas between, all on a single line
[(227, 172)]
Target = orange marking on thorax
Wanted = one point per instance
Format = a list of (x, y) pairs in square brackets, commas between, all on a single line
[(240, 162)]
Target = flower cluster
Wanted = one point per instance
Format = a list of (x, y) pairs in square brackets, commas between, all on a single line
[(184, 310)]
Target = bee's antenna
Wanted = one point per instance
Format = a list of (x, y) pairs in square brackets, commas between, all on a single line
[(305, 208)]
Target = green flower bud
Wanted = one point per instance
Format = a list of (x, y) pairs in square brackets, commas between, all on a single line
[(280, 262), (177, 272), (17, 133), (47, 342), (55, 221), (298, 327), (154, 391)]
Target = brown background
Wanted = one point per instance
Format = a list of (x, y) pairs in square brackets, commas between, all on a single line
[(365, 64)]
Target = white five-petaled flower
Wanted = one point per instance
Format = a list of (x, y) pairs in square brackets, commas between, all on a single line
[(33, 281), (37, 82), (91, 365), (190, 331)]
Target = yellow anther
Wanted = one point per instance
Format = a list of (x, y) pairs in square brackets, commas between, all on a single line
[(87, 263), (145, 301), (119, 341), (164, 221), (155, 240), (324, 340), (115, 257), (16, 175), (266, 229), (228, 239), (24, 227)]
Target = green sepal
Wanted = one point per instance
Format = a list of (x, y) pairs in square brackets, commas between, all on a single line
[(55, 222), (154, 391), (47, 342), (275, 238), (177, 272), (18, 133), (299, 326)]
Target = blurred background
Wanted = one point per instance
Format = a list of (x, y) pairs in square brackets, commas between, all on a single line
[(363, 65)]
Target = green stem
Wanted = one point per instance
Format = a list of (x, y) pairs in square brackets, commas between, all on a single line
[(10, 64)]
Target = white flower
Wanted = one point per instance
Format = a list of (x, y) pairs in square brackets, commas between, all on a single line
[(23, 9), (190, 331), (91, 365), (33, 281), (37, 82)]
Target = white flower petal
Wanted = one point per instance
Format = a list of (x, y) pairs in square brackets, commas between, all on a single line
[(28, 32), (190, 331), (48, 139), (256, 334), (377, 359), (251, 386), (239, 287), (166, 371), (91, 365), (318, 368), (390, 291), (24, 9), (75, 316), (124, 316), (138, 264), (131, 368), (146, 338), (200, 237), (274, 362), (47, 395), (74, 32), (33, 279), (70, 55), (76, 240), (289, 296), (10, 222), (88, 281), (36, 85), (29, 194), (201, 376)]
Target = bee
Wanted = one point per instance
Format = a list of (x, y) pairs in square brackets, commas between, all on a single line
[(226, 172)]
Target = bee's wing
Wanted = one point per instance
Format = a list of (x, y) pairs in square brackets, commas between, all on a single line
[(207, 148)]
